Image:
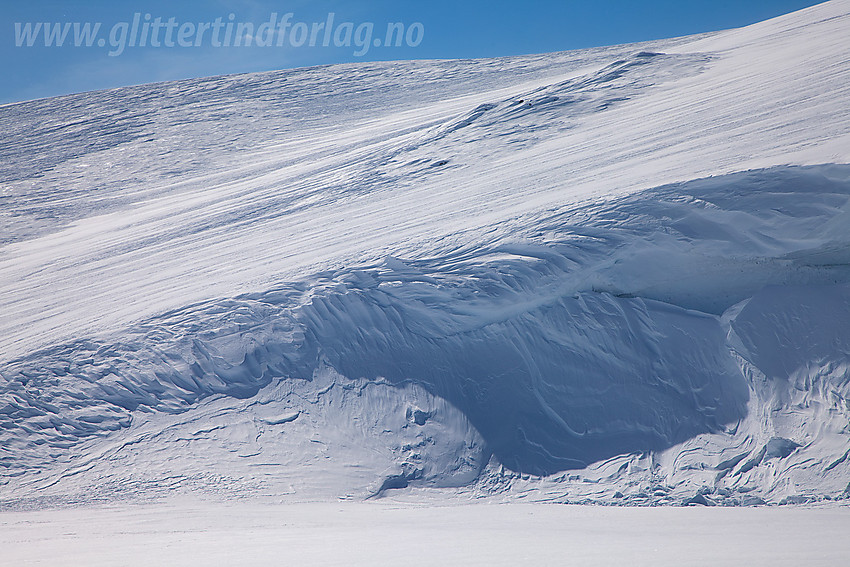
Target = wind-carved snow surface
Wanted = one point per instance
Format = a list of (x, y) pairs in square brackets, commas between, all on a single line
[(619, 275)]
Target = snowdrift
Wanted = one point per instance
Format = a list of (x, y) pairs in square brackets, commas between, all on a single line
[(522, 276)]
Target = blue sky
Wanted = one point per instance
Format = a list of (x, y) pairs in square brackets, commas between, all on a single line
[(448, 29)]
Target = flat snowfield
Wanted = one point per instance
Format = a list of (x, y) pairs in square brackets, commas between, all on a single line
[(389, 534)]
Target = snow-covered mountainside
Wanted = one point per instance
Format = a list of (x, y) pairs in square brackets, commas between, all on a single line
[(615, 275)]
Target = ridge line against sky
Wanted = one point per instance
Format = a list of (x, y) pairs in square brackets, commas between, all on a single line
[(444, 30)]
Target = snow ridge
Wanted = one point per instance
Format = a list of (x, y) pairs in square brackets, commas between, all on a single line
[(596, 334)]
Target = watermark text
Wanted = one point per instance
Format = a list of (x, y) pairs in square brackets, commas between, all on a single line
[(144, 30)]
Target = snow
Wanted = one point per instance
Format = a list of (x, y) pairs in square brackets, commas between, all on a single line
[(194, 533), (618, 276)]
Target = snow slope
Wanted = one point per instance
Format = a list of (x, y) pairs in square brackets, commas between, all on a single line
[(616, 275)]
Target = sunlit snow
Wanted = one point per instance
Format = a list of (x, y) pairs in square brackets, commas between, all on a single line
[(612, 276)]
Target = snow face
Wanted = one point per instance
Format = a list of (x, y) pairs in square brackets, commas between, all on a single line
[(597, 268)]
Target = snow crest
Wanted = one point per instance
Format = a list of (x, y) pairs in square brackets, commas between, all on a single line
[(624, 327)]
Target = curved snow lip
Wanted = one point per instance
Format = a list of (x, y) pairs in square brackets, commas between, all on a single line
[(589, 334)]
